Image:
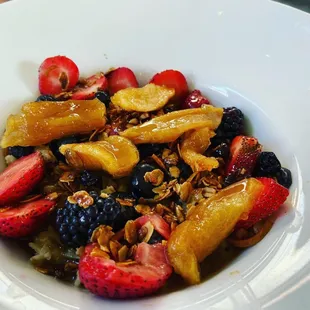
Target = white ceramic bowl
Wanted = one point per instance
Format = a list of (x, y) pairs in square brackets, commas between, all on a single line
[(252, 54)]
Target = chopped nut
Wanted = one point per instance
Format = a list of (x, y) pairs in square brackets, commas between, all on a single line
[(9, 159), (80, 251), (143, 209), (125, 202), (174, 172), (114, 248), (159, 209), (208, 192), (164, 242), (169, 157), (51, 196), (179, 214), (132, 251), (91, 138), (149, 229), (155, 177), (127, 263), (144, 116), (119, 235), (131, 235), (184, 190), (122, 253), (82, 198), (99, 253), (67, 176), (46, 153), (102, 235), (169, 218), (158, 161), (108, 190), (142, 233), (134, 121)]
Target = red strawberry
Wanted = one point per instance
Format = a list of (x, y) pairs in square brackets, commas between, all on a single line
[(244, 152), (57, 74), (160, 225), (121, 78), (195, 100), (21, 221), (105, 277), (18, 179), (172, 79), (93, 84), (271, 198)]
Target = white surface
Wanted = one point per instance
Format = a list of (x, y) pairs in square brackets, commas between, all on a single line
[(253, 54)]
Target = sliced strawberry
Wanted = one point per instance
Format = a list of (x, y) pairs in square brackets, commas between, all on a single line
[(121, 78), (22, 220), (172, 79), (244, 152), (57, 74), (271, 198), (195, 100), (104, 277), (18, 179), (92, 85), (160, 225)]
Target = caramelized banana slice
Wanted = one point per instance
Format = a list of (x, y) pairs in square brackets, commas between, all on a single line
[(41, 122), (149, 98), (207, 225), (169, 127), (116, 155), (194, 144)]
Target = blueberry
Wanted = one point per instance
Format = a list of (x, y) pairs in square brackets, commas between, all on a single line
[(149, 149), (155, 238), (104, 97), (20, 151), (139, 187), (222, 150), (56, 144), (185, 170), (284, 177), (88, 178), (46, 98), (94, 195)]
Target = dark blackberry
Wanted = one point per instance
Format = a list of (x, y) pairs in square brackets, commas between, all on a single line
[(139, 187), (232, 125), (127, 212), (104, 97), (88, 178), (222, 150), (284, 177), (267, 165), (76, 224), (20, 151), (148, 149), (46, 98), (56, 144), (185, 170), (156, 238)]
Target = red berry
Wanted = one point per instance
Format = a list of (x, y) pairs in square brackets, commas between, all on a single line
[(244, 152), (121, 78), (22, 220), (105, 277), (195, 100), (271, 198), (57, 74), (19, 178), (172, 79), (92, 85)]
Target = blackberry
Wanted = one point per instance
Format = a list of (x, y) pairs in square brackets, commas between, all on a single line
[(104, 97), (20, 151), (232, 125), (76, 224), (267, 165), (222, 150), (56, 144), (139, 187), (284, 177), (88, 178), (127, 212), (156, 238), (46, 98), (149, 149)]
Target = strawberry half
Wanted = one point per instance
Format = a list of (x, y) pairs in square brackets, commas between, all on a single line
[(195, 100), (105, 277), (19, 179), (22, 220), (271, 198), (57, 74), (244, 152), (172, 79), (121, 78), (160, 225), (92, 85)]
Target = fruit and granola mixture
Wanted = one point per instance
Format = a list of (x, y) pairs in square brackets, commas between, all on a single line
[(119, 185)]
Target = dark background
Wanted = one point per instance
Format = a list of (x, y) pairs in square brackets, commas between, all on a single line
[(300, 4)]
